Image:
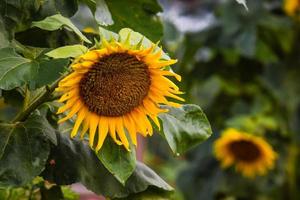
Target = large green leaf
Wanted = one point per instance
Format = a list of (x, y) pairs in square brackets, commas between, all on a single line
[(24, 150), (117, 160), (140, 15), (56, 22), (15, 70), (18, 15), (185, 127), (49, 71), (74, 161), (91, 4), (70, 51), (100, 11)]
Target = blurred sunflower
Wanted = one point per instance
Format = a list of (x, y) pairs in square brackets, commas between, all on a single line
[(116, 88), (250, 154), (291, 7)]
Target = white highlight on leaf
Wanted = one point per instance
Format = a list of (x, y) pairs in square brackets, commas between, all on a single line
[(243, 2)]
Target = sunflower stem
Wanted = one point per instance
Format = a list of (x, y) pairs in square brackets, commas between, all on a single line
[(43, 97)]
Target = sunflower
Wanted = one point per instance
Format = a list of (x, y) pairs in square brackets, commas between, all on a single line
[(117, 90), (250, 154), (291, 7)]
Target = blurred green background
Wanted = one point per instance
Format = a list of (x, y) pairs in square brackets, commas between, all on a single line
[(243, 68)]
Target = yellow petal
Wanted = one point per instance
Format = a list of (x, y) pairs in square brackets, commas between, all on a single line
[(75, 108), (70, 76), (112, 130), (70, 82), (91, 56), (121, 132), (80, 117), (85, 127), (163, 63), (102, 132), (129, 124), (153, 57), (139, 121), (165, 73), (94, 121), (68, 95), (151, 107)]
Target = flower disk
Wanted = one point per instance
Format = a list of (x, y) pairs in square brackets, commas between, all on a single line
[(115, 85), (117, 89), (250, 154)]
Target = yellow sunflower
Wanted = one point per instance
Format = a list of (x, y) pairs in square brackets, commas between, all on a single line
[(291, 7), (250, 154), (118, 89)]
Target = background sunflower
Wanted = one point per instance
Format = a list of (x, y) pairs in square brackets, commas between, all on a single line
[(251, 155)]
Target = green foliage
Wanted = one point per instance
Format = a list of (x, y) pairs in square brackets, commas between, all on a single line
[(185, 127), (56, 22), (241, 68), (15, 70), (72, 51), (24, 150), (141, 20), (76, 162), (50, 70), (117, 160)]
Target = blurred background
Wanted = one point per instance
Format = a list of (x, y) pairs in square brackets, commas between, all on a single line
[(243, 68)]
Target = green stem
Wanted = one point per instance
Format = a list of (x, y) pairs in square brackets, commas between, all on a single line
[(43, 97)]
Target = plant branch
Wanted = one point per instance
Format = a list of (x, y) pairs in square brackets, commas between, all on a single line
[(43, 97)]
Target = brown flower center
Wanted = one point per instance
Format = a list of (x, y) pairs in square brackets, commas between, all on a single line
[(244, 150), (115, 85)]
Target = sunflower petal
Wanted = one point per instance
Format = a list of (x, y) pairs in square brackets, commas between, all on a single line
[(94, 121), (102, 132), (121, 132)]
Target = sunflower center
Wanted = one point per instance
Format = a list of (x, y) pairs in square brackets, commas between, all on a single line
[(245, 150), (115, 85)]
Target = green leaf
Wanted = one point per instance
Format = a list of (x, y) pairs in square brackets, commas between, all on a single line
[(75, 161), (56, 22), (17, 15), (185, 127), (70, 51), (138, 15), (100, 11), (49, 71), (3, 35), (117, 160), (65, 7), (91, 4), (24, 150), (15, 70)]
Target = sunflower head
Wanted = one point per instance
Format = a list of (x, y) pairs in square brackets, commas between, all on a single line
[(250, 154), (117, 90), (291, 7)]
